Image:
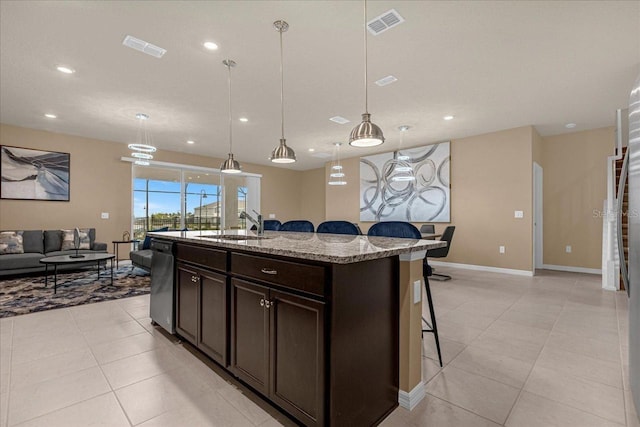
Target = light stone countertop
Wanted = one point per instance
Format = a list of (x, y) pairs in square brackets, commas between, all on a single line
[(332, 248)]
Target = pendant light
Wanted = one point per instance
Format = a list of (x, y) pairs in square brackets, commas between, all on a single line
[(230, 165), (366, 134), (282, 153), (336, 176), (143, 147)]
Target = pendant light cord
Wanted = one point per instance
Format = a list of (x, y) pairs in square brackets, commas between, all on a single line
[(366, 95), (281, 82), (230, 115)]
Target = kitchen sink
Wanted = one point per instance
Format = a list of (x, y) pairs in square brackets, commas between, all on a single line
[(234, 237)]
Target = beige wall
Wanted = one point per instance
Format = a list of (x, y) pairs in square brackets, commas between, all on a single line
[(490, 178), (312, 196), (101, 182), (575, 179)]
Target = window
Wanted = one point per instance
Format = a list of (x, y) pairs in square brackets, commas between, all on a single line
[(181, 198)]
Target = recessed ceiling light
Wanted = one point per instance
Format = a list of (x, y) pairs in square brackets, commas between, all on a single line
[(570, 125), (311, 150), (338, 119), (448, 117), (65, 70), (404, 128), (191, 142), (142, 116), (243, 119), (51, 116), (386, 81), (210, 45)]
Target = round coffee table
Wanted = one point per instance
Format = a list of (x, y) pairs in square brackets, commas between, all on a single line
[(66, 260)]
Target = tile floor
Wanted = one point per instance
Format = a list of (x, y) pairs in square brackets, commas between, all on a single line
[(544, 351)]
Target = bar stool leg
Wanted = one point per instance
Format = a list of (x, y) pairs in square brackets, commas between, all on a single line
[(434, 325)]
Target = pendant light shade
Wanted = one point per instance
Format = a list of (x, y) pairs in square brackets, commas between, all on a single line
[(143, 147), (282, 153), (366, 134), (336, 175), (230, 165)]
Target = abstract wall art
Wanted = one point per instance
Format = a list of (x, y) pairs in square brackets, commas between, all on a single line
[(407, 185), (33, 174)]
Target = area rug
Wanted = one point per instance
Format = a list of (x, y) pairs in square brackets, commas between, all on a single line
[(27, 294)]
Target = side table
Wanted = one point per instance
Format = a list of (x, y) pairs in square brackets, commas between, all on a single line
[(117, 243)]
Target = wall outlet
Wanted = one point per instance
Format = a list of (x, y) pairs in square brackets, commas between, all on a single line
[(501, 249), (518, 214), (568, 249), (104, 215), (272, 216), (417, 291)]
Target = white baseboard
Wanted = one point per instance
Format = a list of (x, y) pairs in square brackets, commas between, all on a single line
[(411, 399), (482, 268), (572, 269)]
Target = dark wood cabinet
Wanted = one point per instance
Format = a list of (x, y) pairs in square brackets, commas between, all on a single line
[(277, 347), (297, 373), (318, 340), (187, 303), (202, 310)]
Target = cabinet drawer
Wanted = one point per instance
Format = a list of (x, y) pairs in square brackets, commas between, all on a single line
[(205, 257), (303, 277)]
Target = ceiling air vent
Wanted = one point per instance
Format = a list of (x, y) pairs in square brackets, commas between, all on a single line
[(144, 47), (386, 81), (385, 21), (339, 120)]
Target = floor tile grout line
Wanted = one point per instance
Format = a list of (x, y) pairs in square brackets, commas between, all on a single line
[(536, 361), (464, 409)]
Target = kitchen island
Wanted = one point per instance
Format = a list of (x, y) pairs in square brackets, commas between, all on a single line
[(326, 327)]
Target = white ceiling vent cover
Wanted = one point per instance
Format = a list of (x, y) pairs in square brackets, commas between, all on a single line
[(385, 21), (144, 47), (339, 119)]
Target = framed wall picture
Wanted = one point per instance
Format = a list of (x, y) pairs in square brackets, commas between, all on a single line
[(407, 185), (33, 174)]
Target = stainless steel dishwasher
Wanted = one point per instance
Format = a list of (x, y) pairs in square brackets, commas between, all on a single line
[(162, 304)]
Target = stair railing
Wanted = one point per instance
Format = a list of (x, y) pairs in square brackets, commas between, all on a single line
[(621, 187)]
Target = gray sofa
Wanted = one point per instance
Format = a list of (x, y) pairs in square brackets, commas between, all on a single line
[(141, 258), (37, 244)]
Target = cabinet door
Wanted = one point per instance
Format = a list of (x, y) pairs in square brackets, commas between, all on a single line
[(297, 356), (187, 304), (250, 334), (212, 339)]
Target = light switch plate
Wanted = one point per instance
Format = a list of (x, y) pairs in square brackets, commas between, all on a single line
[(417, 291), (502, 249), (518, 214), (104, 215), (568, 249), (272, 216)]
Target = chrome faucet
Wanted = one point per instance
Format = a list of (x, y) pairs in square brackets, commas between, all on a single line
[(259, 223)]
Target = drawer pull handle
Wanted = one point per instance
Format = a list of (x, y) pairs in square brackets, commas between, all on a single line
[(269, 271), (261, 302)]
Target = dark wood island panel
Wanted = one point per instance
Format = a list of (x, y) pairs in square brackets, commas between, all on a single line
[(316, 339)]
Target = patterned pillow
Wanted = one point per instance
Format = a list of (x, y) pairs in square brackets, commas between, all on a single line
[(11, 242), (68, 237)]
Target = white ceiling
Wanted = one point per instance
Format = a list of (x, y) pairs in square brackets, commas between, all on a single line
[(493, 65)]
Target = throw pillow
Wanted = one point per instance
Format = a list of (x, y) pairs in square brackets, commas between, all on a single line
[(11, 242), (68, 239), (147, 240)]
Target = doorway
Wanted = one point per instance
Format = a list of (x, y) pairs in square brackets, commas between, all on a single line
[(537, 217)]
